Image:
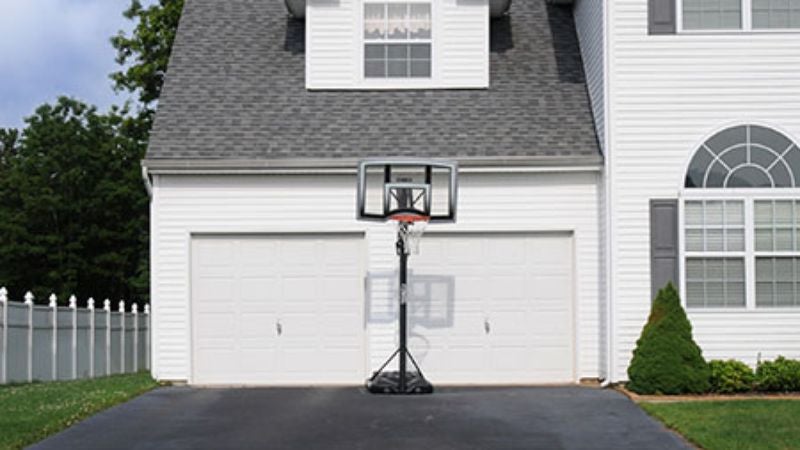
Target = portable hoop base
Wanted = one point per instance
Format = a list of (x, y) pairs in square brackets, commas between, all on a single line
[(389, 383), (404, 381)]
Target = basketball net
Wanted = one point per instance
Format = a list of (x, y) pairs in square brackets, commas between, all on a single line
[(411, 233)]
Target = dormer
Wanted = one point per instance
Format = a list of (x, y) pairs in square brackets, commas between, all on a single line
[(397, 44)]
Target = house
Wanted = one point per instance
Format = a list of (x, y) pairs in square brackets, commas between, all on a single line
[(575, 126), (699, 125)]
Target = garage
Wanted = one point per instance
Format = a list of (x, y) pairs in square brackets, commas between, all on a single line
[(485, 308), (493, 308), (277, 309)]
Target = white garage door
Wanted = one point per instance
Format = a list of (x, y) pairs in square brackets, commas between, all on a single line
[(278, 310), (493, 308)]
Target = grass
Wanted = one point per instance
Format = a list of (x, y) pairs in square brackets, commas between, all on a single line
[(733, 425), (31, 412)]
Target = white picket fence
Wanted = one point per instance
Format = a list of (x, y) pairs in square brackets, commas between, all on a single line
[(47, 343)]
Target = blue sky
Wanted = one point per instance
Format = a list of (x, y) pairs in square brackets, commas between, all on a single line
[(57, 47)]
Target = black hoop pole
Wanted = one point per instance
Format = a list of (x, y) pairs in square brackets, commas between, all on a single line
[(401, 382), (403, 253)]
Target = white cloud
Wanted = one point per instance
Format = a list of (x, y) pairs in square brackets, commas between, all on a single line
[(56, 47)]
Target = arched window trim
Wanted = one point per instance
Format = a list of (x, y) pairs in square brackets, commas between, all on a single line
[(716, 158)]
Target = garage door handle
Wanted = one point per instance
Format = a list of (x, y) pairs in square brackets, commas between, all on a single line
[(487, 327), (278, 327)]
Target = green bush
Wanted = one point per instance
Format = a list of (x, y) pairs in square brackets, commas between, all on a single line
[(781, 375), (728, 377), (666, 359)]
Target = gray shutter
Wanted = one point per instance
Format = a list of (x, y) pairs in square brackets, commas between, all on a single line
[(661, 17), (663, 244)]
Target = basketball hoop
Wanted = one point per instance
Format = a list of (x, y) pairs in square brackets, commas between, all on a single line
[(403, 191), (410, 228)]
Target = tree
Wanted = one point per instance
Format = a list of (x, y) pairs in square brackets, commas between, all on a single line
[(146, 50), (74, 212), (9, 139), (666, 359)]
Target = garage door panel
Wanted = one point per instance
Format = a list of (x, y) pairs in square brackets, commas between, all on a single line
[(337, 253), (340, 325), (511, 287), (304, 324), (258, 255), (258, 361), (552, 287), (214, 289), (511, 358), (552, 245), (506, 252), (260, 290), (214, 254), (296, 254), (217, 361), (462, 252), (455, 361), (469, 288), (217, 323), (299, 289), (272, 308), (511, 322), (513, 305), (257, 324)]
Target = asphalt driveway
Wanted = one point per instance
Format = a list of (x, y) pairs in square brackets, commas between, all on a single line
[(486, 418)]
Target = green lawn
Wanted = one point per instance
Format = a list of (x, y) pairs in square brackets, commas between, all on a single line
[(732, 425), (31, 412)]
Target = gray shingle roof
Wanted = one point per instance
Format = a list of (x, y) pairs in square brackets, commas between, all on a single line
[(235, 91)]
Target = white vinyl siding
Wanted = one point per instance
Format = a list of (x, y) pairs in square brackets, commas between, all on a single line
[(332, 38), (336, 47), (462, 46), (537, 203), (589, 20), (667, 95)]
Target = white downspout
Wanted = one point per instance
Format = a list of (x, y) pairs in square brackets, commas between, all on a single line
[(610, 336), (148, 184)]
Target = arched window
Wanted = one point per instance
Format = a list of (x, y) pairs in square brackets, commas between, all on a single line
[(741, 247), (747, 156)]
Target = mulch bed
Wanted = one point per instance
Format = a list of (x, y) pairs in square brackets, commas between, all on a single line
[(705, 397)]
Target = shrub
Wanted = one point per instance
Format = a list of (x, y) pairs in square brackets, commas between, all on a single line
[(728, 377), (781, 375), (666, 359)]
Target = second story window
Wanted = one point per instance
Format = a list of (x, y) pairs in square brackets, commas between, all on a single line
[(740, 14), (397, 40)]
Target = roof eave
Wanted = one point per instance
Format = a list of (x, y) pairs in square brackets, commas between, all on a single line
[(155, 165)]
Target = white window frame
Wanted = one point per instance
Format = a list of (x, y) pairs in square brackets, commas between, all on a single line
[(747, 23), (749, 196), (397, 82)]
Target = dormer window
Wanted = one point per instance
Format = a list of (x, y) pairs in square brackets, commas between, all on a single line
[(397, 40)]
